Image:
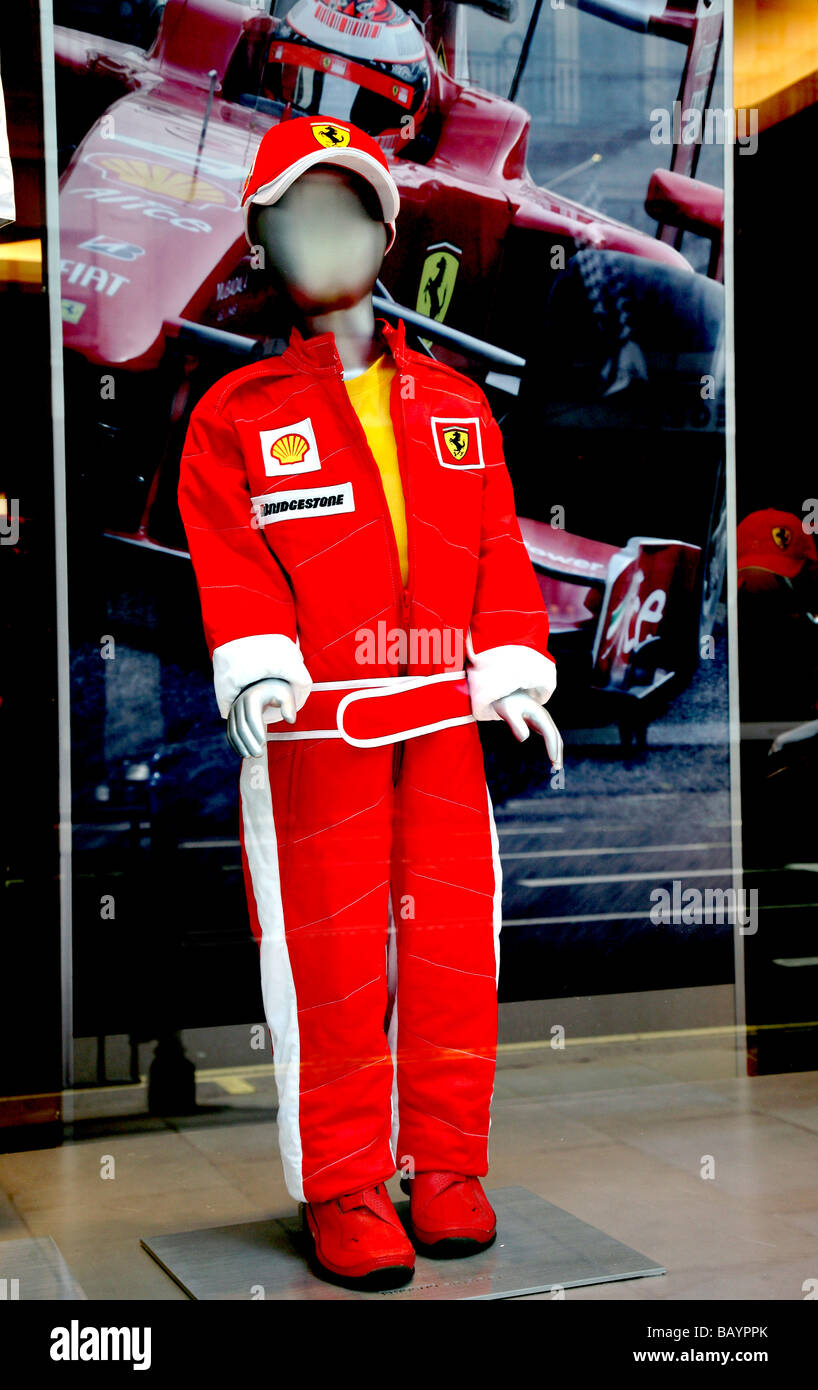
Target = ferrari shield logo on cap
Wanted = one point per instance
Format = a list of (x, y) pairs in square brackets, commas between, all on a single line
[(782, 535), (457, 442), (290, 449), (332, 137)]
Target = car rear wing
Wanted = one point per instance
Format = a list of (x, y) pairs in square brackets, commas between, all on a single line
[(649, 602), (632, 605)]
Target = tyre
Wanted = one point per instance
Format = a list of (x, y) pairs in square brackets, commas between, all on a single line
[(619, 420)]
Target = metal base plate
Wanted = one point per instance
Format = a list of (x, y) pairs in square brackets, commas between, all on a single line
[(33, 1268), (539, 1247)]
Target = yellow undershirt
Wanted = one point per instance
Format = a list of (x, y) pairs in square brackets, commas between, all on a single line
[(369, 395)]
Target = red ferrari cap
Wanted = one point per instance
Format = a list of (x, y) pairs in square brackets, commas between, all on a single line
[(288, 149), (775, 541)]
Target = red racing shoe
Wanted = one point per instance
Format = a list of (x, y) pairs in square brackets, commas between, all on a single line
[(451, 1214), (358, 1240)]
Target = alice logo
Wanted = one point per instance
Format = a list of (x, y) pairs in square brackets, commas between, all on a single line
[(290, 448)]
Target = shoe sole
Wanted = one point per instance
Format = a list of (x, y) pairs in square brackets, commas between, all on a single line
[(384, 1277), (379, 1281), (451, 1247)]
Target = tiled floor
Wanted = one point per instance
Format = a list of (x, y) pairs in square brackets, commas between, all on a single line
[(625, 1136)]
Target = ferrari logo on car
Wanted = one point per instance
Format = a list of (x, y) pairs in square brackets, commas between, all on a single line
[(72, 310), (162, 180), (332, 137), (437, 280), (457, 442), (782, 535)]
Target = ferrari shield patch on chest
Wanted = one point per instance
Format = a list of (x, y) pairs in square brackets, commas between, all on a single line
[(290, 449), (458, 442)]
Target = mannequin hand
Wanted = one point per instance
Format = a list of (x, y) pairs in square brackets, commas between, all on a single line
[(245, 722), (522, 714)]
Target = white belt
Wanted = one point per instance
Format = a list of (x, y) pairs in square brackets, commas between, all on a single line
[(381, 710)]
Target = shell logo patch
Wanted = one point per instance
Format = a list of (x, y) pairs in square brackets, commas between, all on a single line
[(289, 450), (332, 137), (782, 535), (458, 443)]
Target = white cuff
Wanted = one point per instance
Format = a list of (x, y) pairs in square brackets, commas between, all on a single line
[(249, 659), (501, 670)]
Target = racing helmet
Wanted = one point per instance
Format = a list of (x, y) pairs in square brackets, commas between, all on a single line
[(361, 61)]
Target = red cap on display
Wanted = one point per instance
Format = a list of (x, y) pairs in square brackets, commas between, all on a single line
[(288, 149), (775, 541)]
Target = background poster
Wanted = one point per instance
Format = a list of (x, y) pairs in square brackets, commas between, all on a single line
[(564, 248)]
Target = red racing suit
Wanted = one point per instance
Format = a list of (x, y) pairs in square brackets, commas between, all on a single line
[(372, 873)]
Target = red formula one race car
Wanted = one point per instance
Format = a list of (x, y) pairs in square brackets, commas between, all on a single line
[(598, 344)]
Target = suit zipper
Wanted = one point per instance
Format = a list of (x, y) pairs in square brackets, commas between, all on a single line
[(397, 754), (402, 595), (406, 595), (395, 399)]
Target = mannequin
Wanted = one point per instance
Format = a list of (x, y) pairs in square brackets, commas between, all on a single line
[(326, 208), (345, 486)]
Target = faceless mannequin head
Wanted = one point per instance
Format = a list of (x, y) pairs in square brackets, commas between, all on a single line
[(324, 241)]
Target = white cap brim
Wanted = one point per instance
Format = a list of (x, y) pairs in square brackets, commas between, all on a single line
[(357, 160)]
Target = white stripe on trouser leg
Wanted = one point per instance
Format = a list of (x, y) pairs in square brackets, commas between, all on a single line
[(497, 907), (277, 985), (392, 1030)]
